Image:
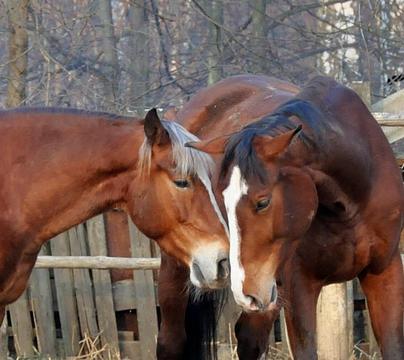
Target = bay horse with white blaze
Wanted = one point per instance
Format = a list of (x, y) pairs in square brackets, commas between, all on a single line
[(61, 167), (219, 109), (313, 196)]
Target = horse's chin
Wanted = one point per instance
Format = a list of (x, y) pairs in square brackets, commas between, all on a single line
[(273, 306)]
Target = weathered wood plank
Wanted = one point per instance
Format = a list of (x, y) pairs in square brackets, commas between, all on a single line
[(97, 262), (399, 122), (335, 322), (362, 88), (42, 308), (392, 103), (102, 285), (227, 320), (66, 300), (145, 295), (22, 326), (83, 285), (3, 339), (131, 350), (285, 347), (225, 352), (124, 294)]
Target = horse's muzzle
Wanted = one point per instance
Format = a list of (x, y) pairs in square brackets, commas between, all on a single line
[(210, 272)]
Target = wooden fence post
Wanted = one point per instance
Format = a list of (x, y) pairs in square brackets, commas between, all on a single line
[(362, 88), (102, 285), (42, 309), (3, 339), (83, 285), (145, 293), (22, 326), (67, 307), (335, 322)]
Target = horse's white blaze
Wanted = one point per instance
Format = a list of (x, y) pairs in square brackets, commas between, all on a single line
[(232, 194)]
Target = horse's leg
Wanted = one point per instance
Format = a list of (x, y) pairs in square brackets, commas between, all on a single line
[(385, 297), (252, 333), (173, 300), (300, 297)]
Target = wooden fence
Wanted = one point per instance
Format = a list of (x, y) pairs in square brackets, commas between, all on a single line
[(76, 299), (72, 306)]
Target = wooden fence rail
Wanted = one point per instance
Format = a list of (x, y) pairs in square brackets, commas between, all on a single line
[(97, 262)]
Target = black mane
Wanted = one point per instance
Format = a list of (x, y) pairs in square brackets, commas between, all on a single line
[(240, 150)]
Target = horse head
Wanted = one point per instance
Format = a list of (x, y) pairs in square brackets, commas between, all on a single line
[(269, 201), (172, 202)]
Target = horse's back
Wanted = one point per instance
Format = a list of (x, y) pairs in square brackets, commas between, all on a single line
[(232, 103)]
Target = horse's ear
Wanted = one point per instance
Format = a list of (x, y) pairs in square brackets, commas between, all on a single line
[(214, 146), (154, 129), (269, 147)]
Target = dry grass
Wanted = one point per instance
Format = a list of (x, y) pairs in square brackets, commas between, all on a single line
[(359, 354), (90, 349)]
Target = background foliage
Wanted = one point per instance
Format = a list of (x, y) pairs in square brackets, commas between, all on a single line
[(125, 55)]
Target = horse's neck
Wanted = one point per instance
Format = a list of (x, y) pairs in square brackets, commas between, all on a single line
[(87, 171)]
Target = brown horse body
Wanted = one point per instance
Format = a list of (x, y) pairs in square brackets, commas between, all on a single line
[(220, 109), (313, 196), (60, 167)]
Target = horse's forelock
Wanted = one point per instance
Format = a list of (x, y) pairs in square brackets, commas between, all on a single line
[(188, 161), (240, 150)]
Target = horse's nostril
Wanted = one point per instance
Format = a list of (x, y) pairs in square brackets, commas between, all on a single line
[(274, 294), (256, 302), (223, 268), (198, 272)]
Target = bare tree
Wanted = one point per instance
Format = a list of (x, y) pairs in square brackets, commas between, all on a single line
[(259, 35), (153, 52), (214, 40), (139, 53), (109, 58), (17, 12)]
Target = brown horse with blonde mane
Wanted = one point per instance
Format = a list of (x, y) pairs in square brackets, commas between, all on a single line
[(61, 167), (313, 196)]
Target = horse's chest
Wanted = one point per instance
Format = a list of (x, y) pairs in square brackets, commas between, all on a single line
[(14, 287), (14, 278)]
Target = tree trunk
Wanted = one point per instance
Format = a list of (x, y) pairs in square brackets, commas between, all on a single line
[(215, 11), (368, 63), (139, 66), (109, 57), (17, 12), (259, 41)]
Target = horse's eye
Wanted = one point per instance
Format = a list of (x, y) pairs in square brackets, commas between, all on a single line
[(181, 183), (262, 204)]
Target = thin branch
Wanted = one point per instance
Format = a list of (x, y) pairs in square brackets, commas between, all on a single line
[(163, 48)]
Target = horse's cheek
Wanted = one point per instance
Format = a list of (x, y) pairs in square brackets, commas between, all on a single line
[(300, 206)]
